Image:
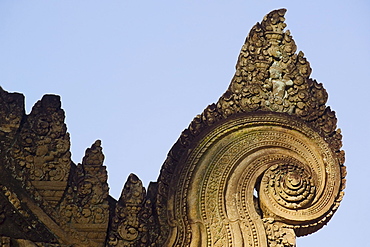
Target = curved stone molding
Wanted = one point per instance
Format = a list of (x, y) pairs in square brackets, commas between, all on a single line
[(291, 167)]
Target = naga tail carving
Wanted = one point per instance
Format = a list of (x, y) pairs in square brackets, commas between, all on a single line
[(262, 165)]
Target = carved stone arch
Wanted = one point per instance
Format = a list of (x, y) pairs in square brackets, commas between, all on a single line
[(292, 164)]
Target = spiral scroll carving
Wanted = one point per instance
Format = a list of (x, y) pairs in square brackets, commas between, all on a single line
[(290, 185), (292, 167)]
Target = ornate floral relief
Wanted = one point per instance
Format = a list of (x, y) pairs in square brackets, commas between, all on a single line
[(271, 77), (41, 151), (211, 212), (35, 153), (133, 222), (278, 234), (85, 206)]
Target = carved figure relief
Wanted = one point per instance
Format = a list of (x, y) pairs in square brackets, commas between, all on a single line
[(260, 167)]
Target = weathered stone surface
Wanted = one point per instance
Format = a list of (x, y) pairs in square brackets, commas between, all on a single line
[(260, 167)]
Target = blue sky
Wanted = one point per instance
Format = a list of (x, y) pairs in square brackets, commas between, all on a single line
[(135, 73)]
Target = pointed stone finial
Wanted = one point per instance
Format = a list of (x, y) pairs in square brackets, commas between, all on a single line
[(132, 221), (94, 156), (85, 206), (271, 77)]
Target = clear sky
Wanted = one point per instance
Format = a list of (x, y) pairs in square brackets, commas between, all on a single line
[(135, 73)]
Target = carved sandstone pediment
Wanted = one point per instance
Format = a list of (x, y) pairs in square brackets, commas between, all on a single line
[(260, 167)]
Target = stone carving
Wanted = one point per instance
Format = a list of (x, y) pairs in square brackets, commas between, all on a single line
[(299, 175), (133, 223), (259, 167), (41, 151), (278, 234), (14, 213), (296, 175), (35, 178), (85, 205)]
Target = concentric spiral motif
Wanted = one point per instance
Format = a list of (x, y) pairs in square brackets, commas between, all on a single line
[(291, 166), (127, 233), (290, 185)]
